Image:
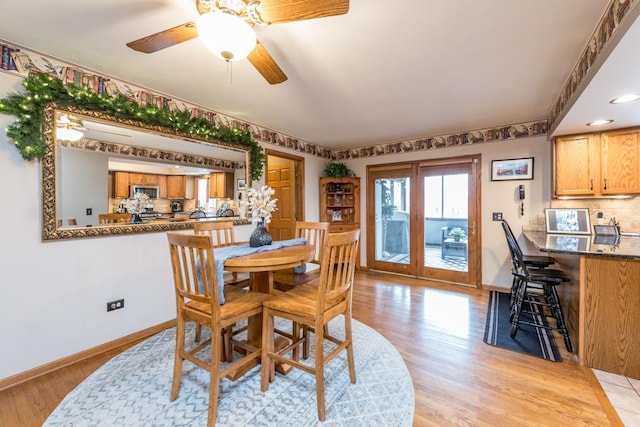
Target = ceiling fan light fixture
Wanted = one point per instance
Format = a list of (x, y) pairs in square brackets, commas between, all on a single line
[(227, 36), (68, 134)]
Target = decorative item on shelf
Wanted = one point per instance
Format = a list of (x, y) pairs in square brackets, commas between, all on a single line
[(136, 205), (261, 205), (337, 170), (457, 233)]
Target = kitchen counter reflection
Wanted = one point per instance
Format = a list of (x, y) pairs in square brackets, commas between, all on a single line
[(613, 246)]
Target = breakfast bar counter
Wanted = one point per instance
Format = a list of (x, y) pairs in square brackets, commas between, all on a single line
[(602, 302)]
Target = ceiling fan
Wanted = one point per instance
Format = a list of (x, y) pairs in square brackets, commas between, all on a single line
[(215, 14), (70, 127)]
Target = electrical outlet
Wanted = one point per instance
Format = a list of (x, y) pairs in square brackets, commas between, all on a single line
[(115, 305), (497, 216), (89, 211)]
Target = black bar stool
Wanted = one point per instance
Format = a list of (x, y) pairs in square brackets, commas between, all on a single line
[(535, 287)]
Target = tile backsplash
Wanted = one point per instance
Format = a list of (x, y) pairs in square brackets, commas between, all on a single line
[(626, 211)]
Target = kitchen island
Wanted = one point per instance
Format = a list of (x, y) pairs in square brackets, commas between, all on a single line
[(602, 302)]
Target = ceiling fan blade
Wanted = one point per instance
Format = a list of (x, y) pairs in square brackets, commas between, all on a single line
[(166, 38), (278, 11), (265, 64)]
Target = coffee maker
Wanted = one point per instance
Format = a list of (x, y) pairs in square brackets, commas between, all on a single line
[(176, 206)]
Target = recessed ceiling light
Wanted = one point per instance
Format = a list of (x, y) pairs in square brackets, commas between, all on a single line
[(625, 98), (599, 122)]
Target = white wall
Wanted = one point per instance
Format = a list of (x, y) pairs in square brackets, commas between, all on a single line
[(497, 196), (84, 182), (55, 293)]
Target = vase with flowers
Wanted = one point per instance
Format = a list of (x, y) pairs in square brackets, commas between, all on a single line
[(136, 205), (261, 205)]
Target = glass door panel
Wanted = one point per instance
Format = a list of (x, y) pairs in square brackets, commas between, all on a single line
[(446, 222), (449, 207), (390, 217)]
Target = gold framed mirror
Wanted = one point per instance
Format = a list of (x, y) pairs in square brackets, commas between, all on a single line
[(79, 177)]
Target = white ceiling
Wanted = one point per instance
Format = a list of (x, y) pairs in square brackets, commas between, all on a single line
[(386, 71)]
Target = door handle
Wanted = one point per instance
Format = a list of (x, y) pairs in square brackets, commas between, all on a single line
[(472, 228)]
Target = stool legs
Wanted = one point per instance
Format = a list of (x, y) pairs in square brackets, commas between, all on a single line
[(550, 300)]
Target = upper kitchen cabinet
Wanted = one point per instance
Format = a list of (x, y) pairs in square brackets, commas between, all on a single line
[(599, 164), (221, 185), (180, 186), (620, 162), (121, 185)]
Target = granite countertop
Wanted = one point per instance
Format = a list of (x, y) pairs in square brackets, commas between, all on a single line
[(623, 246)]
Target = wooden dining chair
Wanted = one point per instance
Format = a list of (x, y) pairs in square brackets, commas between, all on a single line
[(222, 233), (198, 300), (113, 218), (315, 233), (331, 298)]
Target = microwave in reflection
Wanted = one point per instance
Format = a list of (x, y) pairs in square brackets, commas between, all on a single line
[(153, 191)]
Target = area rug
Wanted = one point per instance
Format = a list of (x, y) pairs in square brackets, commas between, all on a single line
[(133, 390), (537, 342)]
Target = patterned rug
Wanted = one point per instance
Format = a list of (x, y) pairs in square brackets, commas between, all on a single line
[(133, 390), (537, 342)]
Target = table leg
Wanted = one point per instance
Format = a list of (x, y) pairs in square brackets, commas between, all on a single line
[(262, 281)]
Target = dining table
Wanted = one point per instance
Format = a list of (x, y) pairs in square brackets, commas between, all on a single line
[(260, 266)]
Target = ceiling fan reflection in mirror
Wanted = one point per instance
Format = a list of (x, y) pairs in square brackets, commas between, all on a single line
[(222, 23), (70, 128)]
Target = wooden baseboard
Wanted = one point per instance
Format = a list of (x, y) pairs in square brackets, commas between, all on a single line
[(83, 355)]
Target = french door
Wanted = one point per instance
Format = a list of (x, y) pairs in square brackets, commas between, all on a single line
[(425, 219)]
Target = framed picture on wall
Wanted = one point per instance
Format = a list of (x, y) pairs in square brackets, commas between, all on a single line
[(512, 169), (568, 221), (242, 184)]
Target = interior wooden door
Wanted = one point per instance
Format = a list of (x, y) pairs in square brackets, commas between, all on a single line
[(285, 175)]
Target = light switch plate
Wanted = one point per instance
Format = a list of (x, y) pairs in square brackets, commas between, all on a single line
[(497, 216)]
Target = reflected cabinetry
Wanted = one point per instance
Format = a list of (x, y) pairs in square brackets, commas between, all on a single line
[(340, 203), (597, 164), (221, 185)]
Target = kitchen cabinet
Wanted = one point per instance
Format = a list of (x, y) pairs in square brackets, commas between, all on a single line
[(121, 185), (162, 186), (340, 203), (620, 162), (221, 185), (176, 186), (180, 187), (598, 164), (142, 179)]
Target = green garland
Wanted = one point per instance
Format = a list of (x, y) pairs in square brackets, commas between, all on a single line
[(43, 89)]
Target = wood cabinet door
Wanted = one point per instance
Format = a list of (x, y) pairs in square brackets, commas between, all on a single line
[(620, 162), (221, 185), (121, 185), (175, 186), (162, 186), (575, 165)]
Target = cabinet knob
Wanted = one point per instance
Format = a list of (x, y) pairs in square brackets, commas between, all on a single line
[(605, 183)]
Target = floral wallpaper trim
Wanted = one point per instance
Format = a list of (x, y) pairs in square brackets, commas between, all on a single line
[(22, 61), (523, 130), (609, 23), (150, 153)]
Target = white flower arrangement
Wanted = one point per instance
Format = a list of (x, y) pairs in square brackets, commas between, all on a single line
[(137, 204), (261, 204)]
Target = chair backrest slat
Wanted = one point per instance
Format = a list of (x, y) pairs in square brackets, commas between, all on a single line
[(220, 232), (193, 267), (315, 233), (337, 266)]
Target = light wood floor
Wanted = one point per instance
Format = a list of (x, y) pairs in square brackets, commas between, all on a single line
[(438, 329)]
